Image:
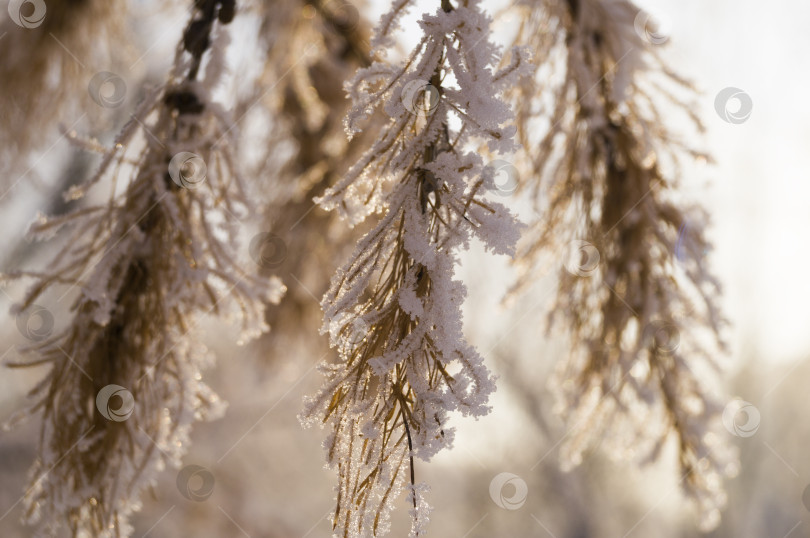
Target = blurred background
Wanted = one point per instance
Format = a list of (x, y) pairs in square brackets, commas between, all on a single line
[(268, 470)]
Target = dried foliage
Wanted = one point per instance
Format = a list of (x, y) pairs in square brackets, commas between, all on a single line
[(635, 292), (393, 311), (307, 150), (148, 264), (161, 251)]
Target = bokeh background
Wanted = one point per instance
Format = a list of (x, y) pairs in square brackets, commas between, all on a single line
[(269, 472)]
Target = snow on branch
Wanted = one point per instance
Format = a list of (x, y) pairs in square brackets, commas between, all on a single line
[(393, 311)]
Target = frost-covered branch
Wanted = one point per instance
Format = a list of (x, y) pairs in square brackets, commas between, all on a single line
[(125, 383), (636, 293), (394, 310), (306, 149)]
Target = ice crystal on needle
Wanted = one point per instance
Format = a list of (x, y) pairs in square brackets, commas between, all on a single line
[(394, 310)]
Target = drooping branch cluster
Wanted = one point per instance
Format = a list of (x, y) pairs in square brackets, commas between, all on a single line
[(394, 310), (306, 149), (125, 385), (635, 292), (636, 295)]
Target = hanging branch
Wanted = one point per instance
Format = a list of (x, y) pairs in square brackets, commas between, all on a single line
[(394, 310), (306, 107), (635, 293), (125, 385)]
